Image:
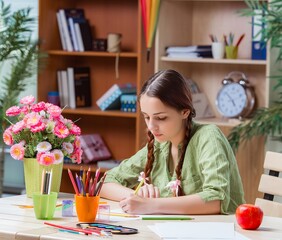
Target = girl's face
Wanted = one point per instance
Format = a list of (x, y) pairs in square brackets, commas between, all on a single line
[(165, 123)]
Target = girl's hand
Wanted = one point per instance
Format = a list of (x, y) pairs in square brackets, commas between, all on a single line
[(149, 191), (137, 205)]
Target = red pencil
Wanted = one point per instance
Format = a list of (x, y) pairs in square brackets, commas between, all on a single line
[(73, 182), (69, 228)]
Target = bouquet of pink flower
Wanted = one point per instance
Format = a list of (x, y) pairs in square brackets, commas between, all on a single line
[(42, 133)]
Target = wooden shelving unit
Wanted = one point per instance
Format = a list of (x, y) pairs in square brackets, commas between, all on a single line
[(122, 132), (189, 22)]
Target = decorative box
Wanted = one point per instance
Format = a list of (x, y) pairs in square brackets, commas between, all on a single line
[(94, 148)]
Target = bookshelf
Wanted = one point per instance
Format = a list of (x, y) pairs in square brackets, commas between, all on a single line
[(189, 22), (122, 132)]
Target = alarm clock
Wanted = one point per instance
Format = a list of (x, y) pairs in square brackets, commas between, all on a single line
[(236, 99)]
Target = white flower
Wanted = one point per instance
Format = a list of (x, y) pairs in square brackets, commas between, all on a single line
[(44, 146)]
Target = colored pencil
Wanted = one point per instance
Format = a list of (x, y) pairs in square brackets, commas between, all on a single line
[(139, 186), (69, 228), (73, 182), (167, 218), (240, 40)]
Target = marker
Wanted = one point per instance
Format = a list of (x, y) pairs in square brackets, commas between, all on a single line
[(167, 218)]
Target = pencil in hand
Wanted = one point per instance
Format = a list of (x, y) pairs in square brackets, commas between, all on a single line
[(139, 186)]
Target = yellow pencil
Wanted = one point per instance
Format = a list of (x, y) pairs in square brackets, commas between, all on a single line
[(139, 186)]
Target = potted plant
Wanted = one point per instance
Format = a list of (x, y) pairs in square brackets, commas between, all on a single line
[(266, 121), (18, 62), (42, 138)]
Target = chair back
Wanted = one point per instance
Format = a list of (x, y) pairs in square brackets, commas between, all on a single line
[(271, 185)]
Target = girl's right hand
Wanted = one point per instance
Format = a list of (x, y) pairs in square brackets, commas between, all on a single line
[(149, 191)]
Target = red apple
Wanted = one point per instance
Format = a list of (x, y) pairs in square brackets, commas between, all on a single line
[(249, 216)]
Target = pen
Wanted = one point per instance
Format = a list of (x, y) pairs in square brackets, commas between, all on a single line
[(167, 218)]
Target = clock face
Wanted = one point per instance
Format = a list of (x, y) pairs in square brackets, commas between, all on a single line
[(231, 100)]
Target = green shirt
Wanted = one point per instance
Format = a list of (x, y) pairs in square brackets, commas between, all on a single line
[(209, 169)]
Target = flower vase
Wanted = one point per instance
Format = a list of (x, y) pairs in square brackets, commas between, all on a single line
[(33, 176)]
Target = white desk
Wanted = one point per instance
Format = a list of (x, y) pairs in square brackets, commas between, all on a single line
[(21, 224)]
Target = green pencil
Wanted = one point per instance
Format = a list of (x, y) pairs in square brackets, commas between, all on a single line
[(167, 218)]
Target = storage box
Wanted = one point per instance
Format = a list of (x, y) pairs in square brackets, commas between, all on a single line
[(94, 148)]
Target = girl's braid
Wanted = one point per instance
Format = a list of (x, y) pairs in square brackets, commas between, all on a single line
[(178, 168), (150, 154)]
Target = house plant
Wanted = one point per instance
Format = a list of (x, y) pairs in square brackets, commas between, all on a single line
[(18, 63), (42, 138), (266, 121)]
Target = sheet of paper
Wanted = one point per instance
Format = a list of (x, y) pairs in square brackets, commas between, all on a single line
[(195, 230)]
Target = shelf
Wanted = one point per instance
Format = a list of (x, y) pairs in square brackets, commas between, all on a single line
[(215, 61), (93, 54), (96, 112), (77, 167), (221, 122)]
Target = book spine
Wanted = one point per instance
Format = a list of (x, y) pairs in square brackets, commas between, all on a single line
[(60, 87), (71, 89), (73, 34), (65, 88), (61, 31), (82, 85), (66, 30), (79, 37)]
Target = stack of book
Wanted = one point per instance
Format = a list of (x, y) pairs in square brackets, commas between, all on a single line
[(111, 99), (74, 87), (196, 51), (75, 31)]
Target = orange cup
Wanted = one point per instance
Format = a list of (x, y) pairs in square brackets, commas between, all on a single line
[(86, 207)]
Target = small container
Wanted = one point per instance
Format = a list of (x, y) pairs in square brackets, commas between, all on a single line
[(86, 207), (67, 208), (53, 97), (104, 212), (44, 205)]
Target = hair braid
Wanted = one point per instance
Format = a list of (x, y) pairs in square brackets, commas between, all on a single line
[(187, 137), (150, 155)]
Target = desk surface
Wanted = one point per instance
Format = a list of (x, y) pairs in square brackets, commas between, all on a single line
[(21, 224)]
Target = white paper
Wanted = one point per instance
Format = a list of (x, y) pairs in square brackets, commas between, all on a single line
[(194, 230)]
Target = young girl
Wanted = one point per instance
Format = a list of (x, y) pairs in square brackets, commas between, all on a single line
[(187, 168)]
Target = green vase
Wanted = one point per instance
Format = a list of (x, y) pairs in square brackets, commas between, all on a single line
[(33, 176)]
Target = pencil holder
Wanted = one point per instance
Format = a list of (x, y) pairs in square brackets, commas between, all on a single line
[(231, 52), (44, 205), (86, 207)]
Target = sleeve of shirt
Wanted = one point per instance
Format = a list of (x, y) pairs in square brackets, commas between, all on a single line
[(128, 171), (215, 161)]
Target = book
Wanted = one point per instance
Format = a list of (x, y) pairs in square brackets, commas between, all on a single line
[(94, 148), (110, 100), (79, 87), (78, 37), (188, 49), (74, 15), (86, 35), (203, 54), (60, 88), (65, 87), (61, 31), (71, 88), (65, 29)]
